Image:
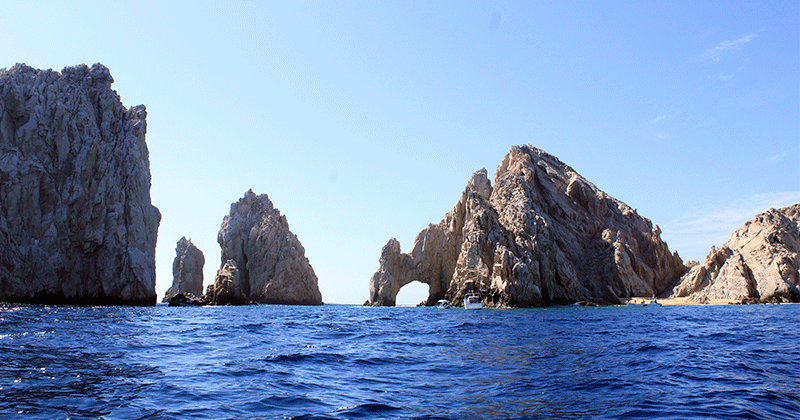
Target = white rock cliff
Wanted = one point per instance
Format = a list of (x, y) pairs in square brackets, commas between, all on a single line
[(542, 235), (759, 261), (262, 260), (76, 224)]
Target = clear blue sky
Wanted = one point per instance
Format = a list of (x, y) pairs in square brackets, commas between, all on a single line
[(365, 120)]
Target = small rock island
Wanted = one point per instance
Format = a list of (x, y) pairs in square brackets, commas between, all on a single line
[(262, 260), (187, 270), (77, 225)]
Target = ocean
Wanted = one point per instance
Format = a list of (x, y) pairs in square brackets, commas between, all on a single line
[(339, 361)]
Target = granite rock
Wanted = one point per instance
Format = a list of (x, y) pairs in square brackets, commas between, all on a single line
[(542, 235), (76, 224), (187, 270), (759, 261), (262, 260)]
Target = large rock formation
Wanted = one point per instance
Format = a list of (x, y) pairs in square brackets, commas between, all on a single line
[(543, 235), (187, 270), (759, 261), (76, 224), (262, 261)]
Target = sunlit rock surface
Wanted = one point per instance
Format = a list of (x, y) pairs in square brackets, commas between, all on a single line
[(542, 235), (262, 260), (76, 224), (759, 261)]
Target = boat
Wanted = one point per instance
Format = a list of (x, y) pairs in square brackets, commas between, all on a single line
[(473, 300), (443, 304)]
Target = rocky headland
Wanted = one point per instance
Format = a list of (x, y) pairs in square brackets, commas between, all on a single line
[(758, 263), (187, 270), (541, 235), (262, 260), (77, 225)]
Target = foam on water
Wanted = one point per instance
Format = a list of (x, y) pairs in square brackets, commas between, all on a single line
[(353, 362)]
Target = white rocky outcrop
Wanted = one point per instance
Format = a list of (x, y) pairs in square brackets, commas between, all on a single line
[(262, 260), (759, 261), (541, 235), (187, 270), (76, 224)]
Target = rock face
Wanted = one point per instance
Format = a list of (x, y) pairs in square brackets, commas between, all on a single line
[(542, 235), (186, 299), (262, 261), (76, 224), (187, 270), (759, 261)]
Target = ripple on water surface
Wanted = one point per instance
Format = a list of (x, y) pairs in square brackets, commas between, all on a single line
[(351, 362)]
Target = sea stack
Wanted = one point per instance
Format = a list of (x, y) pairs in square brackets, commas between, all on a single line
[(262, 260), (542, 235), (77, 223), (187, 270), (758, 263)]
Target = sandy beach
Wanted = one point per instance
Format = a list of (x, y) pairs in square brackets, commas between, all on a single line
[(683, 301)]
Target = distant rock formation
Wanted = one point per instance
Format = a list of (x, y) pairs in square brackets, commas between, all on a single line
[(187, 270), (262, 261), (542, 236), (76, 224), (759, 261)]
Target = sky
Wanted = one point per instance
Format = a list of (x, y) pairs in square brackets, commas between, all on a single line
[(364, 120)]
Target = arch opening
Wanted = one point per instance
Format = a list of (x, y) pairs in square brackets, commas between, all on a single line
[(412, 294)]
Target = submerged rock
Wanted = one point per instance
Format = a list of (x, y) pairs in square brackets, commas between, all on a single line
[(262, 260), (542, 235), (759, 262), (77, 225), (187, 270)]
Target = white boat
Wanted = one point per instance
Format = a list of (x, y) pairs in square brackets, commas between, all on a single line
[(473, 301), (443, 304)]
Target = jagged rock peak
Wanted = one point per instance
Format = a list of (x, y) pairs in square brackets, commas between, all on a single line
[(262, 260), (77, 221), (187, 270), (541, 235), (759, 261)]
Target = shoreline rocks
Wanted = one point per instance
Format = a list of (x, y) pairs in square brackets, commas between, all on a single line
[(541, 235), (758, 263), (77, 225), (187, 270), (262, 260)]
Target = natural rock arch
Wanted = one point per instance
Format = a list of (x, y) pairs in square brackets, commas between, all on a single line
[(435, 253), (543, 235)]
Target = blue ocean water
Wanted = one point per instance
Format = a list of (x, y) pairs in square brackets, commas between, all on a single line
[(355, 362)]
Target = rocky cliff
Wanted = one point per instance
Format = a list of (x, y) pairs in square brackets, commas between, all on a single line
[(759, 261), (187, 270), (76, 224), (262, 260), (542, 235)]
